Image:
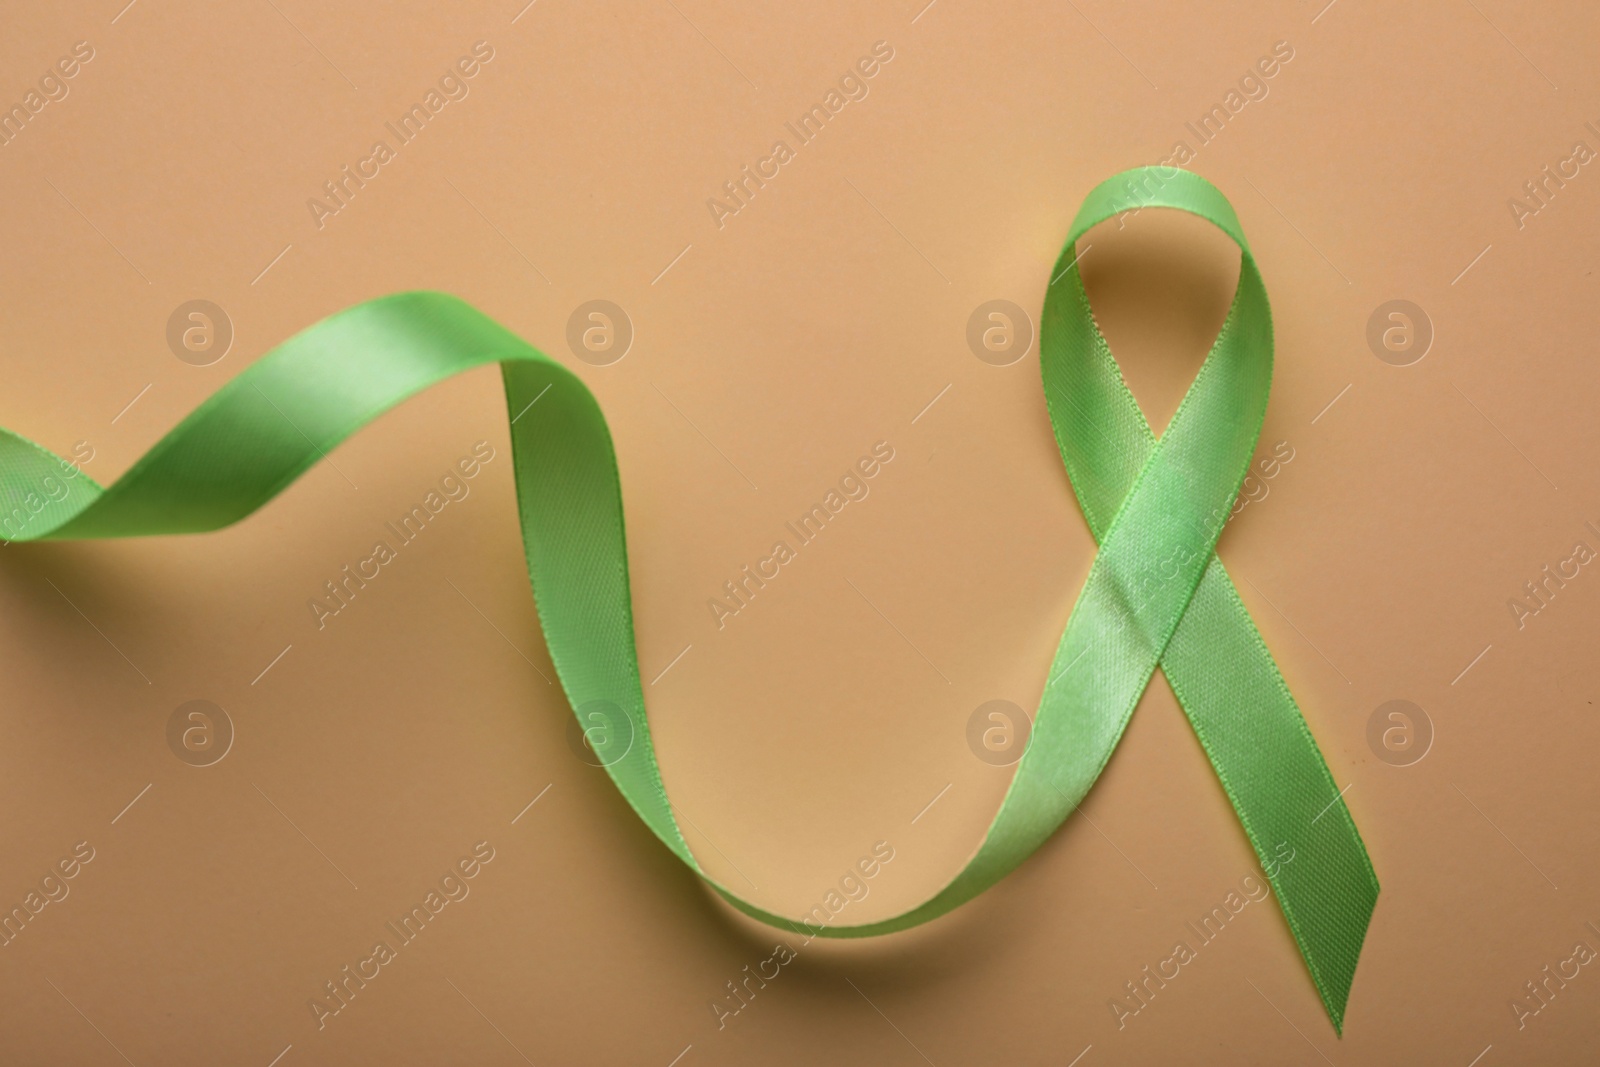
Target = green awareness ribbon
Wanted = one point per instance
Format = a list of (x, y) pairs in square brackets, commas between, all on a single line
[(1156, 593)]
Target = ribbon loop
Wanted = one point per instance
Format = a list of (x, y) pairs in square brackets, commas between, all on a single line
[(1216, 662)]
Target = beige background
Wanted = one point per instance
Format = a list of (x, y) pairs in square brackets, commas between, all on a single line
[(768, 355)]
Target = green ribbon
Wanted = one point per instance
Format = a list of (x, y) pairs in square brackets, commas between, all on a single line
[(1156, 593)]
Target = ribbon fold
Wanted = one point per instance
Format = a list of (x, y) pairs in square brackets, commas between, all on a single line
[(1156, 594)]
